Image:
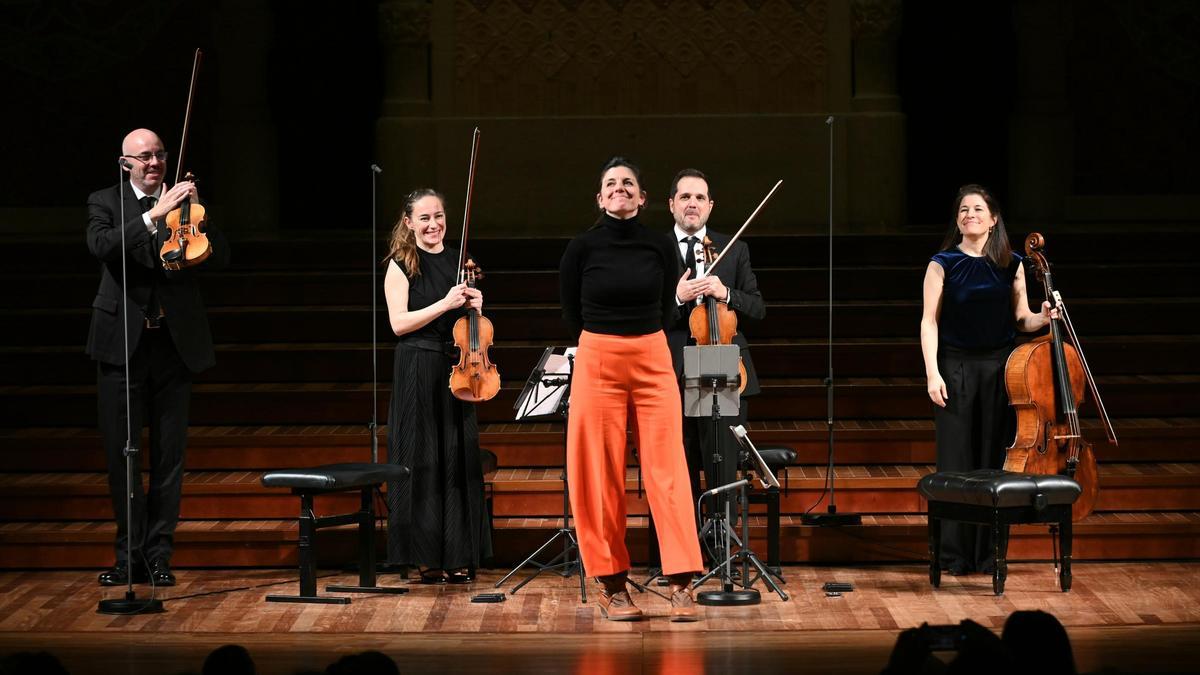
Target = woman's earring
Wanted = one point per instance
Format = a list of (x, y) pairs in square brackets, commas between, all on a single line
[(991, 228)]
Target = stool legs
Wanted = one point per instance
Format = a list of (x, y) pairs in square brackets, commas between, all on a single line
[(1064, 544), (309, 523), (1000, 521), (773, 557), (308, 558), (366, 539), (367, 581), (1000, 551)]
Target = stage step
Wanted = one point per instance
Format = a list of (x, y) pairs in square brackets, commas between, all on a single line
[(538, 492), (342, 250), (351, 362), (781, 398), (78, 449), (271, 543), (777, 284), (291, 389), (543, 322), (874, 489)]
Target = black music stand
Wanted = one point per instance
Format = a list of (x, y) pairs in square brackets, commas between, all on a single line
[(766, 478), (710, 379), (547, 395)]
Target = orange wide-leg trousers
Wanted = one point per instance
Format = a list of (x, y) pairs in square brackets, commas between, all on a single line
[(615, 376)]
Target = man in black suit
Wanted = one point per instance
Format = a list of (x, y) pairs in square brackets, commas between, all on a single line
[(732, 283), (168, 341)]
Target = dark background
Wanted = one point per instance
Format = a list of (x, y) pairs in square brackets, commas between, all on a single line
[(78, 75)]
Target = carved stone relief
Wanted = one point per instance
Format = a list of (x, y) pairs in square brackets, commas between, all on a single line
[(562, 57)]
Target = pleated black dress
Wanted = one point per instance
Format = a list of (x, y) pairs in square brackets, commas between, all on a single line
[(436, 516)]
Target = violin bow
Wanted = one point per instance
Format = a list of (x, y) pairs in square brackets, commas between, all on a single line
[(732, 241), (462, 249), (187, 115), (1065, 317)]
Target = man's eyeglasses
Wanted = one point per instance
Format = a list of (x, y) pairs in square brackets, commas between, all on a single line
[(145, 157)]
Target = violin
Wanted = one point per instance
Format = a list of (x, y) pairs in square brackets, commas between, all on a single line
[(1045, 379), (475, 377), (186, 243), (712, 322)]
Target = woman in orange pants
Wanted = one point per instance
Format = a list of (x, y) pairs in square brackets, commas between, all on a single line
[(618, 291)]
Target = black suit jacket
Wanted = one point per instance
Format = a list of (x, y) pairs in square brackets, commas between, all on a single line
[(176, 292), (744, 297)]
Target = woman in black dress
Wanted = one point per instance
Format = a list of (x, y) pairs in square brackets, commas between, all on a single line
[(974, 303), (436, 516)]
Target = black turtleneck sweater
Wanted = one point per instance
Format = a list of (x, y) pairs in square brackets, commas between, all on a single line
[(614, 280)]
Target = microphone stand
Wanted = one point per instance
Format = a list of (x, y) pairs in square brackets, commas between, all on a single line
[(130, 604), (383, 566), (373, 425), (831, 518)]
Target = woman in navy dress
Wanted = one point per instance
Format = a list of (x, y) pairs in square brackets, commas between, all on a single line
[(974, 304)]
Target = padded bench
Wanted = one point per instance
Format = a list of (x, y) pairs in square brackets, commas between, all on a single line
[(308, 483), (999, 499)]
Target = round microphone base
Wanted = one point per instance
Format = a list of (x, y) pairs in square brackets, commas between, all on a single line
[(130, 604), (747, 596)]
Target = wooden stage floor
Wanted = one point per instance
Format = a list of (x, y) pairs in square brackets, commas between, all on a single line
[(1137, 617)]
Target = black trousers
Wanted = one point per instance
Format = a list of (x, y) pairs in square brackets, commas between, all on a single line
[(973, 431), (701, 450), (160, 395)]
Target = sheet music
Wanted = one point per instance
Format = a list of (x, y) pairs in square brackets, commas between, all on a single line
[(543, 400)]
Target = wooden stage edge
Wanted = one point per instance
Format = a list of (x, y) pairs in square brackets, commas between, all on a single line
[(1134, 617)]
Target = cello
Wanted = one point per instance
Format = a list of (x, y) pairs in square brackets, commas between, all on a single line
[(186, 243), (1045, 379), (474, 378)]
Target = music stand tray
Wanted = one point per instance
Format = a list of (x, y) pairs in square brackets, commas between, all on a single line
[(708, 371)]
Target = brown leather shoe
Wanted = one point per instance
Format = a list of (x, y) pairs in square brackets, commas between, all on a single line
[(618, 606), (683, 607)]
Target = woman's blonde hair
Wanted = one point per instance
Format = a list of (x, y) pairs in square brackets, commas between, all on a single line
[(403, 247)]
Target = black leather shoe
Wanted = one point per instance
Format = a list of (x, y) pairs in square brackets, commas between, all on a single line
[(431, 576), (118, 575), (160, 572), (464, 575)]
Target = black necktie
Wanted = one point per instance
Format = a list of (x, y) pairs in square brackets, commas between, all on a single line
[(689, 258), (147, 203)]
